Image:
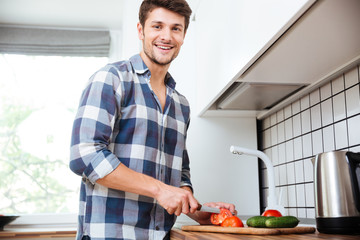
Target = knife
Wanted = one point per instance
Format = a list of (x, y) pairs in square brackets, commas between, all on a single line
[(208, 209)]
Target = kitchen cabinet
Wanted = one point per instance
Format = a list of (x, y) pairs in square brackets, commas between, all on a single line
[(230, 34), (320, 41)]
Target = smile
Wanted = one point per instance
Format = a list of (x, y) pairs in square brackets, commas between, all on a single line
[(164, 47)]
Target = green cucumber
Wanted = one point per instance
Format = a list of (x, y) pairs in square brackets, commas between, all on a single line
[(257, 221), (282, 222)]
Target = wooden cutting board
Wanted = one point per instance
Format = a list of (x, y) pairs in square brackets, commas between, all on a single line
[(248, 230)]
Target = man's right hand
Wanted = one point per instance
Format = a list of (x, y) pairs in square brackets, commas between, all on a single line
[(176, 200)]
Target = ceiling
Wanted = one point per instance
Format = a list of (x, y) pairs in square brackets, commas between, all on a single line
[(95, 14)]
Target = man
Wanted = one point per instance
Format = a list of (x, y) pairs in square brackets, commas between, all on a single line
[(128, 140)]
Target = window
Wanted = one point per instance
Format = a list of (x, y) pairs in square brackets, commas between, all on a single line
[(39, 96)]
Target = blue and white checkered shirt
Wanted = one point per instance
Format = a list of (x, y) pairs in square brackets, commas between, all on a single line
[(120, 121)]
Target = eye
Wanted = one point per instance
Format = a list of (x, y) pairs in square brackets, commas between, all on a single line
[(177, 29), (157, 26)]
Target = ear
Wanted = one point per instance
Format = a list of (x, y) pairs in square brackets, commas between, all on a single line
[(140, 31)]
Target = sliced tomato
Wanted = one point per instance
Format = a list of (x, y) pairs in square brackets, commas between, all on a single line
[(271, 213), (218, 218), (233, 221)]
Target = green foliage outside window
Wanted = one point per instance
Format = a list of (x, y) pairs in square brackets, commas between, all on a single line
[(27, 182)]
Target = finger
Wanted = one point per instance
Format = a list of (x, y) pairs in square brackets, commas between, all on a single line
[(193, 204), (229, 206), (178, 210), (185, 207), (211, 204), (170, 210)]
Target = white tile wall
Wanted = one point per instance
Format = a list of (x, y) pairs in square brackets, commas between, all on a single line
[(289, 150), (307, 145), (315, 114), (354, 130), (326, 112), (290, 168), (352, 100), (325, 91), (308, 170), (339, 107), (328, 138), (338, 84), (341, 139), (317, 142), (315, 97), (351, 78), (305, 121), (327, 119), (297, 148)]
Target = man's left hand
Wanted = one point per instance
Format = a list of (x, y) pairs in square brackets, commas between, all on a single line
[(204, 217)]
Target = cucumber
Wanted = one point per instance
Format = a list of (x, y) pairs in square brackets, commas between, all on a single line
[(282, 222), (257, 221)]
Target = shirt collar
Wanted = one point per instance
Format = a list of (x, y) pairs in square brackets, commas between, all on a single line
[(138, 64), (141, 68)]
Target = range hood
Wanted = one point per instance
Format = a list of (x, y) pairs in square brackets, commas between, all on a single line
[(256, 96)]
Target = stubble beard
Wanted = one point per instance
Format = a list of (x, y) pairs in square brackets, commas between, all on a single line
[(151, 55)]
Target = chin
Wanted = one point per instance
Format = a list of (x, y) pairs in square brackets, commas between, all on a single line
[(162, 61)]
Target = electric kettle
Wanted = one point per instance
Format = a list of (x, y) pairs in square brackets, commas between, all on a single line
[(337, 192)]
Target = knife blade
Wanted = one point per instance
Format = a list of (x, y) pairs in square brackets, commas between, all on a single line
[(208, 209)]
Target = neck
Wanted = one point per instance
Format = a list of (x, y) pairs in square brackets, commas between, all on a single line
[(158, 72)]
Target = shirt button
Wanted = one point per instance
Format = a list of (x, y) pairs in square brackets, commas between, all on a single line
[(157, 228)]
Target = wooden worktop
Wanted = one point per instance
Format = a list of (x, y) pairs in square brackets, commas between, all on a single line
[(38, 233), (177, 234)]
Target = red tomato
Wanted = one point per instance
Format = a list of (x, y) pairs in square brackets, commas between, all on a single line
[(271, 213), (233, 221), (218, 218)]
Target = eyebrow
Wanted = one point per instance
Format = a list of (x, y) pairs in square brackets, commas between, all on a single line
[(160, 22)]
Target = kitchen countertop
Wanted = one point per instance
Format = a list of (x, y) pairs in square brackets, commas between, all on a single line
[(56, 232), (177, 234)]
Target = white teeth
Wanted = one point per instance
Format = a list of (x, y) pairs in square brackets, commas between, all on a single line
[(165, 48)]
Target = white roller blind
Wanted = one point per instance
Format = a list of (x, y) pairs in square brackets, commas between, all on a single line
[(43, 41)]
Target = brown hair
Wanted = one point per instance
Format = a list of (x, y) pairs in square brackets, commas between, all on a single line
[(178, 6)]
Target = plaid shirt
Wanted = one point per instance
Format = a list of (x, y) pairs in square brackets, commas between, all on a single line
[(120, 121)]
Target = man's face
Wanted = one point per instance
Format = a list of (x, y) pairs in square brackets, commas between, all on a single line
[(162, 35)]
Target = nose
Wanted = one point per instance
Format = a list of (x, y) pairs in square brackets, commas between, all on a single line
[(165, 34)]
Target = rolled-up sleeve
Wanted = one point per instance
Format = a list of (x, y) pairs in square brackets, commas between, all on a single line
[(90, 156)]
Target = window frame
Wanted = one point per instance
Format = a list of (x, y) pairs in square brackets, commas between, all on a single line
[(50, 220)]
